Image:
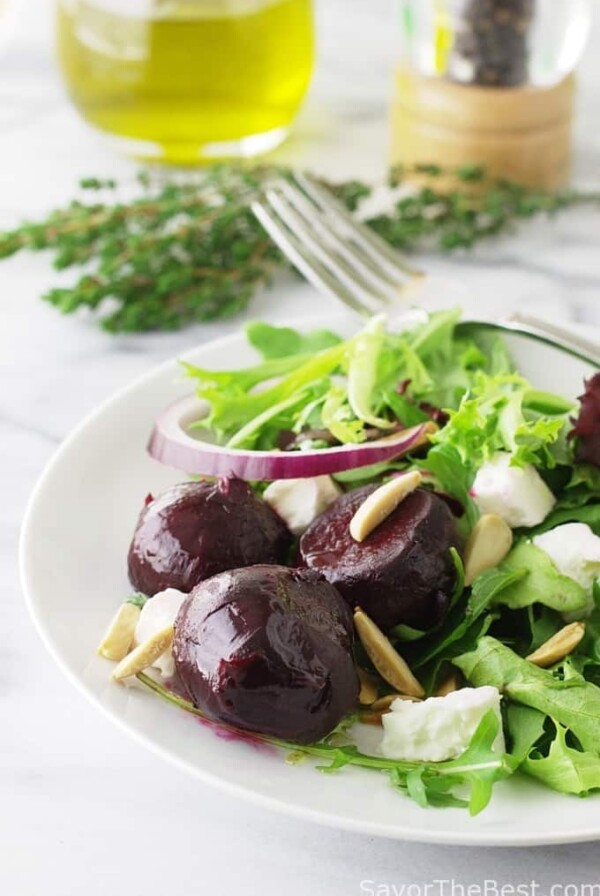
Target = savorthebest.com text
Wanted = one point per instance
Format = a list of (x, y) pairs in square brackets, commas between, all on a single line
[(450, 887)]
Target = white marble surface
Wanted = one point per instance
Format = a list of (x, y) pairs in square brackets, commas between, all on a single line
[(83, 810)]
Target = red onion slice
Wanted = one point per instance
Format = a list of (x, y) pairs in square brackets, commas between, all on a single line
[(172, 444)]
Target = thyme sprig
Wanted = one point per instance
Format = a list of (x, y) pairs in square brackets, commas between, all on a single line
[(189, 250)]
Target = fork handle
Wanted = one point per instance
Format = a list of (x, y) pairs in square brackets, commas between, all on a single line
[(537, 326)]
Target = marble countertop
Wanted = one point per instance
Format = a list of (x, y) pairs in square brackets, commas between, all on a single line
[(83, 809)]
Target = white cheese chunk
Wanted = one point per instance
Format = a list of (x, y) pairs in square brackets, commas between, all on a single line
[(518, 494), (157, 613), (575, 552), (299, 501), (439, 728)]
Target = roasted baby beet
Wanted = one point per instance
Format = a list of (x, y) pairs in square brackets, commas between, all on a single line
[(402, 572), (197, 529), (268, 649)]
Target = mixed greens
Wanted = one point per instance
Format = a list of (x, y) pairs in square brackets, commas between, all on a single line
[(313, 391), (480, 584)]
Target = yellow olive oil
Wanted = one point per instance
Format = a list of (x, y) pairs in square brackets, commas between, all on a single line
[(186, 80)]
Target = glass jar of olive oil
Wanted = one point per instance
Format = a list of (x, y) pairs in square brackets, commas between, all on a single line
[(184, 81)]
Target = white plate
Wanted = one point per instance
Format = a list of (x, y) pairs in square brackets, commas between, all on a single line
[(73, 561)]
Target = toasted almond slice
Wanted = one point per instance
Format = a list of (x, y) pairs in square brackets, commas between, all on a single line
[(371, 718), (368, 687), (384, 657), (449, 685), (380, 503), (144, 654), (487, 546), (559, 646), (384, 704), (118, 639)]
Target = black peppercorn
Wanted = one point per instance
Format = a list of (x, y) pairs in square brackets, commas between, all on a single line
[(492, 43)]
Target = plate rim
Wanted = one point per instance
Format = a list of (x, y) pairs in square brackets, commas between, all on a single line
[(318, 816)]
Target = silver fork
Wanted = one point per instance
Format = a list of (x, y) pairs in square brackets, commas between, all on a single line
[(331, 249), (344, 259)]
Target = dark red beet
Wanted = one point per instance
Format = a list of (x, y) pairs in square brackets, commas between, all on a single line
[(587, 426), (268, 649), (197, 529), (402, 572)]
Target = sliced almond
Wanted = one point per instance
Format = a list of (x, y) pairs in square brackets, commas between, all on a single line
[(487, 546), (371, 718), (384, 657), (384, 703), (145, 654), (118, 639), (380, 503), (449, 685), (559, 646), (368, 688)]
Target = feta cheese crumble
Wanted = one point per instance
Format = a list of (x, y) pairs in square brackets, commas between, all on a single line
[(157, 613), (439, 728), (575, 552), (518, 494), (299, 501)]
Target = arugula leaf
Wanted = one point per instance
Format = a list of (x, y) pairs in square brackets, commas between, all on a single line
[(557, 764), (543, 583), (526, 727), (564, 768), (544, 623), (589, 514), (590, 645), (463, 626), (283, 342), (479, 767), (454, 477), (574, 703), (430, 783)]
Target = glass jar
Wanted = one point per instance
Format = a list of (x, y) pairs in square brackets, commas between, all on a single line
[(187, 80), (495, 43), (490, 83)]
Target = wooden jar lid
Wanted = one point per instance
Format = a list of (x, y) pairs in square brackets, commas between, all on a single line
[(520, 133)]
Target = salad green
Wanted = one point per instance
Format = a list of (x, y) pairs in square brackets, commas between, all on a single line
[(314, 391)]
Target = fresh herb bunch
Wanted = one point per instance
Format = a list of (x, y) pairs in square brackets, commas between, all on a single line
[(191, 250)]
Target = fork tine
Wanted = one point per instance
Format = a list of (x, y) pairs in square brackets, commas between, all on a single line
[(372, 244), (309, 266), (348, 276), (370, 273)]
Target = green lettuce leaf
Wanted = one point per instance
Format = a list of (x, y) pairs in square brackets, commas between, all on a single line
[(494, 416), (283, 342), (237, 416), (338, 418), (542, 584), (362, 372)]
